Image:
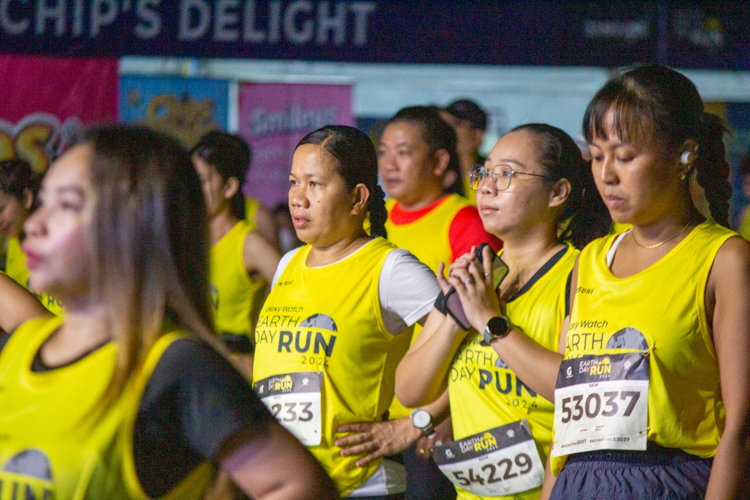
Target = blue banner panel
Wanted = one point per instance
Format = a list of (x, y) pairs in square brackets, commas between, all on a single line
[(185, 108), (532, 32)]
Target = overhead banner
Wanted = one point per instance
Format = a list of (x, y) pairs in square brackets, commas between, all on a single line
[(46, 102), (184, 108), (708, 35), (273, 117)]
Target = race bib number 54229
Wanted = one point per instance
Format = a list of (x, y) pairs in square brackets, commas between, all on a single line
[(294, 399), (601, 403), (498, 462)]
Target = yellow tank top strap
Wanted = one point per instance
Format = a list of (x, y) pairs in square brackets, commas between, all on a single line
[(251, 210)]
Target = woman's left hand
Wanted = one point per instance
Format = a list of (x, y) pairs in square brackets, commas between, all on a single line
[(475, 287), (378, 439)]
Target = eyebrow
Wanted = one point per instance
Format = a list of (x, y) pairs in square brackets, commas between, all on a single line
[(72, 189), (505, 160)]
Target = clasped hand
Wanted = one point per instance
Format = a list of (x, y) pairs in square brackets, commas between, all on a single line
[(474, 286)]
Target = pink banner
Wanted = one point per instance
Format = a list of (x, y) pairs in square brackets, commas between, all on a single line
[(46, 102), (273, 117)]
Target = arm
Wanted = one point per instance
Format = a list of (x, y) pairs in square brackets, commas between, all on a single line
[(389, 437), (422, 374), (536, 365), (273, 465), (260, 256), (266, 226), (549, 478), (728, 290), (18, 304)]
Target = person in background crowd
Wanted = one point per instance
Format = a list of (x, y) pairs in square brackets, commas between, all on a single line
[(19, 186), (413, 154), (260, 219), (339, 318), (469, 121), (242, 261), (415, 150), (537, 194), (130, 395)]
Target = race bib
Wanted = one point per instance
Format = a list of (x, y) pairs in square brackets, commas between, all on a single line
[(601, 403), (294, 399), (498, 462)]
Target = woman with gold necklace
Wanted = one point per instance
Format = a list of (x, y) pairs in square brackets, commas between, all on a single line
[(652, 381)]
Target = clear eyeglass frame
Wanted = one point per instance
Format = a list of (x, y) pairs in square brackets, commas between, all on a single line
[(501, 176)]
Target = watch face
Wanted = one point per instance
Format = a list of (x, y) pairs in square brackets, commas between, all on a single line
[(421, 419)]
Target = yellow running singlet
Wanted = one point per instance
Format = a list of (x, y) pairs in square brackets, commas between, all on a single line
[(485, 393), (659, 317), (49, 449), (324, 358), (237, 297)]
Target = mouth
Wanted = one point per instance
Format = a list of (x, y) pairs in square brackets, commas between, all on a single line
[(391, 182), (299, 222), (613, 201), (486, 209), (32, 259)]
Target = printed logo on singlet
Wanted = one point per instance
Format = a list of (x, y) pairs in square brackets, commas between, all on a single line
[(27, 475)]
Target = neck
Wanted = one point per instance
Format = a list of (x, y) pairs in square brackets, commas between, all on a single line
[(84, 328), (525, 254), (220, 225), (428, 197), (671, 227), (323, 256)]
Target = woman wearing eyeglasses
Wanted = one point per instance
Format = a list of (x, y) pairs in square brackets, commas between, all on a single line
[(536, 193)]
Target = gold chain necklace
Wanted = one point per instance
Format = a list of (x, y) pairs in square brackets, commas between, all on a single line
[(649, 247)]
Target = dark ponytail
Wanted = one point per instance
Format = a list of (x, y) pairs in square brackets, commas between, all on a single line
[(712, 167), (378, 212), (584, 216), (357, 163)]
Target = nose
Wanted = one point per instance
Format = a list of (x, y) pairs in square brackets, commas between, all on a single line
[(487, 186), (34, 224), (297, 196), (606, 172), (386, 162)]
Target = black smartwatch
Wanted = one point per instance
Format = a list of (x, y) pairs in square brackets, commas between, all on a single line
[(497, 328)]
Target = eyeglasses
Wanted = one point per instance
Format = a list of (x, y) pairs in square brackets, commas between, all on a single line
[(501, 176)]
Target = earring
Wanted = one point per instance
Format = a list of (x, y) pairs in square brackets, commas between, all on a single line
[(687, 157)]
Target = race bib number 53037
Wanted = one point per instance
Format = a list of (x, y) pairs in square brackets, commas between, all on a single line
[(498, 462), (294, 399), (601, 403)]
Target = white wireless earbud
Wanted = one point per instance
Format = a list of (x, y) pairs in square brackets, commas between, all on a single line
[(687, 157)]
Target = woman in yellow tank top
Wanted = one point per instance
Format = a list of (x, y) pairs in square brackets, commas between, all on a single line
[(129, 396), (535, 193), (652, 380), (339, 318), (242, 261)]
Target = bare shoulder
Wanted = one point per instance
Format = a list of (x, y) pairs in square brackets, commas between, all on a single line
[(732, 263)]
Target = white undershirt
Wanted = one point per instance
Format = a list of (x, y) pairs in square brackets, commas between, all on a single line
[(407, 287), (613, 248)]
